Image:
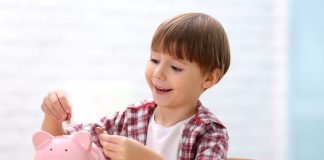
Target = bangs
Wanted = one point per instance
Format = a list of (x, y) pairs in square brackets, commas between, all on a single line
[(176, 40), (170, 48)]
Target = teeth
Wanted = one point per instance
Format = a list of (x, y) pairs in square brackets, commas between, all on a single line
[(163, 89)]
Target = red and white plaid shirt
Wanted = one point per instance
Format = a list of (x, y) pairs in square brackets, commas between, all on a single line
[(203, 138)]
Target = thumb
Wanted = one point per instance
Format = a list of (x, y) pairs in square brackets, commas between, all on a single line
[(100, 130), (101, 133)]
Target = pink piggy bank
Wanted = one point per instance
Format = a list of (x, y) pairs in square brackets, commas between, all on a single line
[(77, 146)]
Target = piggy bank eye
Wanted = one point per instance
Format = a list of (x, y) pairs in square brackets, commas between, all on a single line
[(66, 150), (51, 149)]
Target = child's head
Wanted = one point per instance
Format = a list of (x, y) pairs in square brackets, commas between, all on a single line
[(189, 53), (195, 37)]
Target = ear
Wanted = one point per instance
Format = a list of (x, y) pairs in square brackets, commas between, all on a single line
[(211, 78), (84, 139), (40, 138)]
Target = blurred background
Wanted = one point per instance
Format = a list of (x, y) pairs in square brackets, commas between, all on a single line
[(271, 100)]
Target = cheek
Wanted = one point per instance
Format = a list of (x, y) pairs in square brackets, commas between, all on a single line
[(148, 72), (192, 84), (180, 83)]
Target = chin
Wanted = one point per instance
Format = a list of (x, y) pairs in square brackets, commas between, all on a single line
[(159, 102)]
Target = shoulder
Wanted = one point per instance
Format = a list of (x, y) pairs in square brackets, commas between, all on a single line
[(144, 104), (134, 114), (211, 137), (211, 129), (141, 108), (206, 117)]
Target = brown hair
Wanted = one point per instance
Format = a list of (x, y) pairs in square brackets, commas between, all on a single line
[(196, 37)]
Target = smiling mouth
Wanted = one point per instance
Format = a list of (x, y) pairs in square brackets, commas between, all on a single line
[(162, 90)]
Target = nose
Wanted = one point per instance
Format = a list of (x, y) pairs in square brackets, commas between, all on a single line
[(159, 73)]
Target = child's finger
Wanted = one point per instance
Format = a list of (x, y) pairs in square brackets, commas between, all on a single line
[(110, 153), (105, 137), (61, 115), (113, 138), (51, 108), (109, 146), (63, 100), (47, 111), (44, 107), (51, 115), (99, 130)]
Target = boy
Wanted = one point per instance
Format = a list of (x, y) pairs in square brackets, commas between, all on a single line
[(189, 54)]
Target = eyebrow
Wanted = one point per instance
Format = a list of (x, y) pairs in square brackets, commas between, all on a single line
[(181, 61), (177, 59)]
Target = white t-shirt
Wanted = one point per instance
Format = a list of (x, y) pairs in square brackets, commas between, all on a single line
[(165, 140)]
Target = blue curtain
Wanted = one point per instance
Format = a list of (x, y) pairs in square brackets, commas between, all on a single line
[(307, 79)]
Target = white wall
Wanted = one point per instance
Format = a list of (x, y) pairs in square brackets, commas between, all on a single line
[(96, 51)]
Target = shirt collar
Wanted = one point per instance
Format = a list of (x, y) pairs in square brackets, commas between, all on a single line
[(203, 115)]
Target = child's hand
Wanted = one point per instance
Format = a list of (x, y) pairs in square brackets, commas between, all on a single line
[(56, 105), (123, 148)]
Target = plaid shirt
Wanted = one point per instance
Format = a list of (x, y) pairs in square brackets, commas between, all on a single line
[(203, 138)]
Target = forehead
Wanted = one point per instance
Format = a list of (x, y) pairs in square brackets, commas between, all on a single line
[(171, 56)]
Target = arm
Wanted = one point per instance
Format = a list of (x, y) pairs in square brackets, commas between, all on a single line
[(213, 146), (56, 109), (52, 126), (216, 152)]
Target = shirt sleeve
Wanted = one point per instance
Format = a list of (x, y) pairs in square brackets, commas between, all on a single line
[(108, 123), (213, 146)]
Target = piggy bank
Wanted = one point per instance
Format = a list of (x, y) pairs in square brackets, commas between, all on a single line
[(77, 146)]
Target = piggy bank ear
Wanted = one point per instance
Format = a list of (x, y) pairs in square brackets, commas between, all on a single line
[(84, 139), (40, 138)]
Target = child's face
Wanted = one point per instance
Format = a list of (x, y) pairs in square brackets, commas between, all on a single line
[(173, 82)]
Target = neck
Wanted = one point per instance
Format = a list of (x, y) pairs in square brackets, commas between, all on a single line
[(169, 116)]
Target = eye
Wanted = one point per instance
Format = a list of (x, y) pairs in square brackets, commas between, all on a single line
[(66, 150), (176, 69), (51, 149), (154, 61)]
